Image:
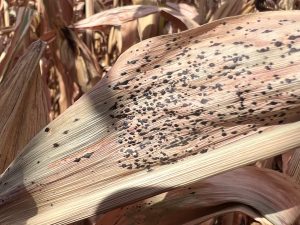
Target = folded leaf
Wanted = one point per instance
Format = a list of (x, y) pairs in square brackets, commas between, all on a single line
[(173, 110), (248, 187)]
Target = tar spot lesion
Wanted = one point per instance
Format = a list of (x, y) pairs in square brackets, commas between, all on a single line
[(88, 155), (55, 145)]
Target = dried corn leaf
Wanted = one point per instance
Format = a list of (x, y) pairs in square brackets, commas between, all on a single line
[(23, 108), (287, 4), (228, 8), (147, 26), (212, 10), (130, 35), (232, 191), (118, 16), (23, 22), (186, 10), (146, 128)]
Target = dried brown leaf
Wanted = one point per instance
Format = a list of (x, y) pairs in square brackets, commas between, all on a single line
[(146, 127), (23, 108), (118, 16), (186, 10), (22, 25)]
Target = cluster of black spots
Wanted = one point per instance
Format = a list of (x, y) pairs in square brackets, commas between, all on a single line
[(241, 100), (262, 50), (146, 143)]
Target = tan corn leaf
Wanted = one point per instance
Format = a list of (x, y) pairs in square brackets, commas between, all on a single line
[(246, 187), (181, 21), (249, 7), (133, 23), (173, 110), (212, 10), (22, 25), (23, 108), (91, 72), (118, 16), (115, 16), (227, 8), (115, 39), (186, 10), (147, 26), (287, 4)]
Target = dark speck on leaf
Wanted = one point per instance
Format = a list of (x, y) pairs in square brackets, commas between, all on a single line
[(294, 37), (204, 101), (76, 160), (55, 145), (88, 155), (278, 44)]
